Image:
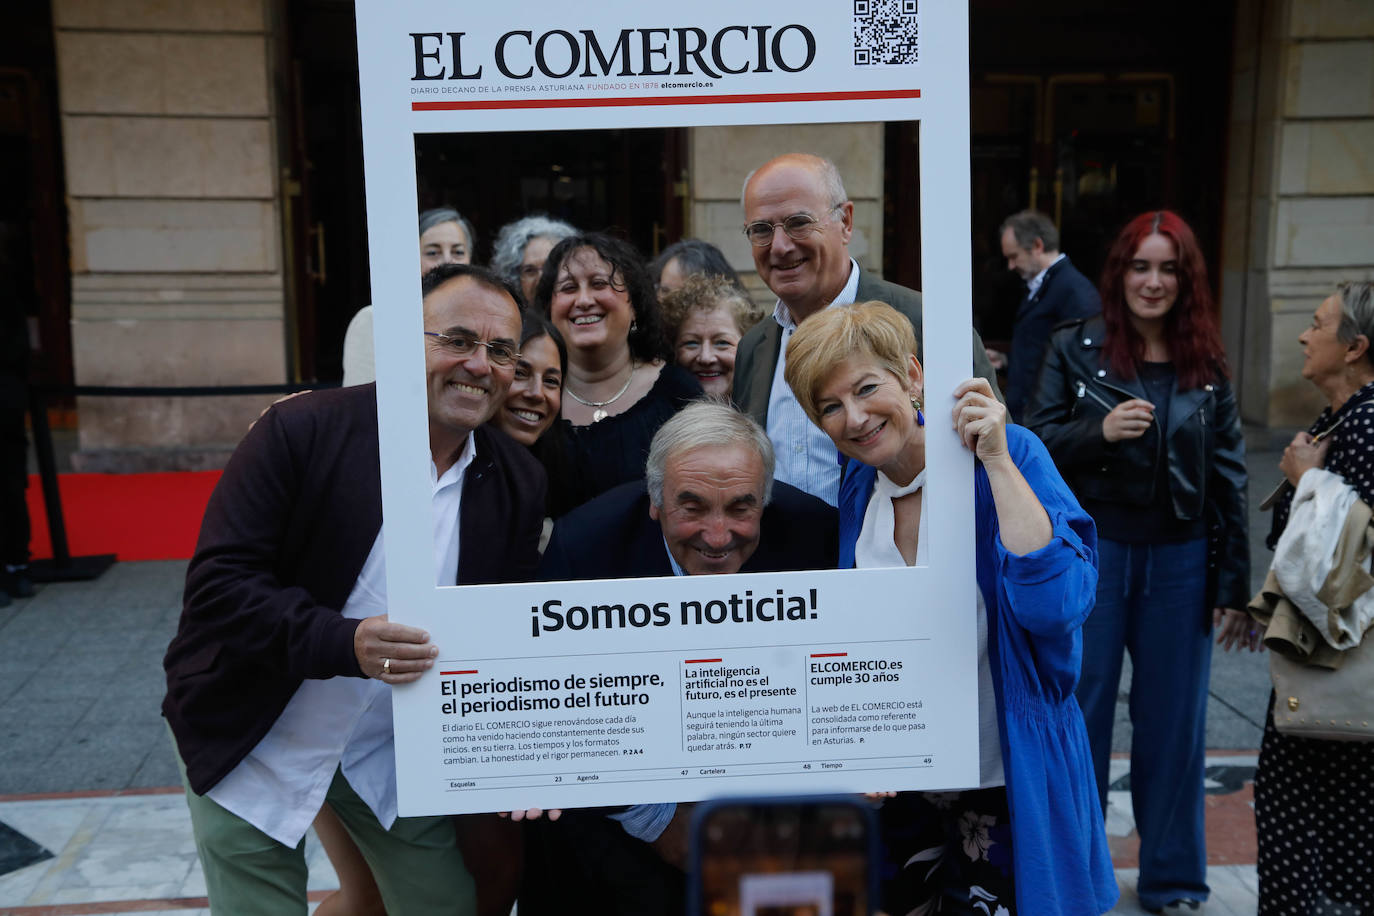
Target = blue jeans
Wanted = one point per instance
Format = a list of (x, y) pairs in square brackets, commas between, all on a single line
[(1152, 602)]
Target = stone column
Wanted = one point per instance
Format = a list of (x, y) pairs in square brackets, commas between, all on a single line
[(1300, 188), (168, 138)]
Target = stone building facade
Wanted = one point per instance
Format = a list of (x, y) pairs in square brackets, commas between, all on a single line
[(1299, 213), (175, 135), (170, 147)]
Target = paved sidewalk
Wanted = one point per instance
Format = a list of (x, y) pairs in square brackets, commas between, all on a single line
[(87, 774), (92, 821), (128, 853), (1230, 819), (81, 682), (132, 851)]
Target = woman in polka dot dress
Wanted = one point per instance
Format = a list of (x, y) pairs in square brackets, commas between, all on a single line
[(1314, 800)]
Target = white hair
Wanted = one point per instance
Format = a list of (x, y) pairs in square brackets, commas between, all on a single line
[(705, 424), (508, 251), (1357, 313)]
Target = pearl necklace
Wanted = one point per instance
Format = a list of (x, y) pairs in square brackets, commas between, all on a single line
[(600, 414)]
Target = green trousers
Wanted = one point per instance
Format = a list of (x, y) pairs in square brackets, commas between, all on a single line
[(416, 863)]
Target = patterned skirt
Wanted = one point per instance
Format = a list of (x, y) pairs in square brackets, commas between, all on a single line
[(947, 852), (1314, 815)]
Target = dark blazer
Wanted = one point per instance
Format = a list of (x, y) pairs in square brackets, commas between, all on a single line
[(613, 537), (756, 356), (285, 534), (1064, 294)]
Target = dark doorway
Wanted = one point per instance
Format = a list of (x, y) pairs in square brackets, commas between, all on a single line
[(1090, 150), (34, 267), (620, 181), (902, 203), (1093, 113), (627, 181), (324, 211)]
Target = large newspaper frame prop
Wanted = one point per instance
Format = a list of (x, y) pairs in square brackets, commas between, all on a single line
[(843, 680)]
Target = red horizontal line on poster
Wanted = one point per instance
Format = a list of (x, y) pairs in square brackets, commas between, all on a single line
[(829, 654), (699, 661), (447, 673), (623, 101)]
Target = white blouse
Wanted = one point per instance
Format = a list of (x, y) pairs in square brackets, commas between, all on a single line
[(876, 548)]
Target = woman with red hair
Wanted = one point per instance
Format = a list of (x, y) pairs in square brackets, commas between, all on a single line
[(1137, 410)]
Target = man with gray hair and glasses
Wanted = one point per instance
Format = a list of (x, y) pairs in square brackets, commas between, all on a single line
[(708, 505), (280, 675), (799, 221)]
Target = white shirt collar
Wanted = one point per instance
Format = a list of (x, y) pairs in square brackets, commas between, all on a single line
[(455, 471), (806, 457), (1033, 284), (783, 315)]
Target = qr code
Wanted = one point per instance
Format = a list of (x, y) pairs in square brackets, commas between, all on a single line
[(884, 32)]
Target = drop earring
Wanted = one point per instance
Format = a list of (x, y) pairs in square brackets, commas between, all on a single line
[(916, 406)]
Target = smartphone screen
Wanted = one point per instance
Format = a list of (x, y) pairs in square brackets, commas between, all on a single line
[(789, 857)]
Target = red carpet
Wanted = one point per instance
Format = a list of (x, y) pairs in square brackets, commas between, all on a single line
[(134, 516)]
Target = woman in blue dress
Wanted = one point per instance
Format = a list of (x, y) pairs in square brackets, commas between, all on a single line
[(1029, 839)]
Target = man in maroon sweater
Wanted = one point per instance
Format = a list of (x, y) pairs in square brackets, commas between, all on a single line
[(279, 677)]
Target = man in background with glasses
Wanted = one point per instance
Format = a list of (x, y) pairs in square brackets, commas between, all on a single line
[(799, 220), (279, 677)]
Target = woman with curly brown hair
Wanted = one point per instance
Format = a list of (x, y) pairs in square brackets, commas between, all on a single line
[(620, 386)]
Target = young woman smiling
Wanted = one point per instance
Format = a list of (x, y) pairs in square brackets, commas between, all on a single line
[(1137, 410), (536, 394)]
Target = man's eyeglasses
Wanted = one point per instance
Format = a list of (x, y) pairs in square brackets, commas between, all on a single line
[(797, 226), (499, 352)]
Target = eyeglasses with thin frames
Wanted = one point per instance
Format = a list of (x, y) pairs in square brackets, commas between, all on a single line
[(499, 352), (797, 226)]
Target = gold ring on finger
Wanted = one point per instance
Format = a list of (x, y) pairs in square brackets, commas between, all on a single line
[(386, 666)]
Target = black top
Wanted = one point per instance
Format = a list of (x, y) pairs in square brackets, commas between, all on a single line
[(1203, 449), (591, 459), (1351, 454), (1155, 523)]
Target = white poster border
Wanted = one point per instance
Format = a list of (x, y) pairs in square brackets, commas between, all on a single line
[(832, 90)]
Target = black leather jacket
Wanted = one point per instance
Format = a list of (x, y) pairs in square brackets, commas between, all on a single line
[(1201, 439)]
